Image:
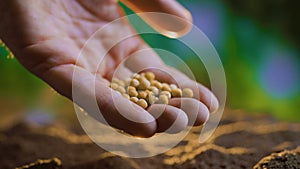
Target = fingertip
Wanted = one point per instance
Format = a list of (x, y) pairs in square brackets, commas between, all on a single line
[(169, 119), (144, 130), (121, 113), (214, 105), (202, 116), (196, 111), (180, 124), (208, 98)]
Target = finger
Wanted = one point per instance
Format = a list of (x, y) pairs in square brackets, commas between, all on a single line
[(178, 21), (173, 76), (169, 119), (202, 93), (118, 111), (166, 6), (123, 114), (136, 63), (205, 95), (196, 111)]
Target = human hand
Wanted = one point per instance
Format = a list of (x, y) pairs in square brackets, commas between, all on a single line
[(47, 37)]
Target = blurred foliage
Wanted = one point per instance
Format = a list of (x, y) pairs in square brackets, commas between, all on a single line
[(243, 32), (22, 93), (15, 79), (281, 15)]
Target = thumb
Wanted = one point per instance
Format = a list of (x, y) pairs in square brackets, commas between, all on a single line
[(174, 25)]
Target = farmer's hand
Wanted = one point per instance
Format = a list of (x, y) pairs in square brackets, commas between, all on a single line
[(47, 37)]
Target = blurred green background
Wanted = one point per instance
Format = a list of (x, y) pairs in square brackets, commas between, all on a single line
[(258, 42)]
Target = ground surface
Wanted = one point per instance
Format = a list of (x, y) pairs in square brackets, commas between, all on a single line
[(240, 141)]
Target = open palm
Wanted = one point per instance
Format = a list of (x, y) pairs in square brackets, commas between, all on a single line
[(47, 37)]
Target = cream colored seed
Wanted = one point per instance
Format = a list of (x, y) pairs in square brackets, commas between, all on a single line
[(127, 81), (154, 90), (130, 88), (168, 94), (142, 103), (136, 76), (134, 83), (126, 96), (134, 99), (119, 82), (163, 99), (165, 87), (150, 89), (187, 92), (142, 74), (156, 83), (115, 80), (142, 94), (121, 89), (148, 92), (176, 93), (173, 86), (114, 86), (156, 99), (132, 91), (150, 76), (151, 98), (144, 84)]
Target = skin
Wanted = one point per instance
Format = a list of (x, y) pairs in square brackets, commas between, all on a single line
[(47, 36)]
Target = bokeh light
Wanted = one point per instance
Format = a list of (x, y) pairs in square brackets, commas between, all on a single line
[(279, 74)]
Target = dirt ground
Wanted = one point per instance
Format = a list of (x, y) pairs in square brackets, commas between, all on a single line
[(240, 141)]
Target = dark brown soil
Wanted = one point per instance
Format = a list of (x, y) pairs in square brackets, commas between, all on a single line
[(284, 159), (240, 141)]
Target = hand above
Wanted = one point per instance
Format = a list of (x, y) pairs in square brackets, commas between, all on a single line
[(47, 37)]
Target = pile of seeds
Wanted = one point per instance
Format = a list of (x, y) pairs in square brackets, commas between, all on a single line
[(144, 90)]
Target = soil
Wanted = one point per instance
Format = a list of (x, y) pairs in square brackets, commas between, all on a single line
[(284, 159), (241, 141)]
